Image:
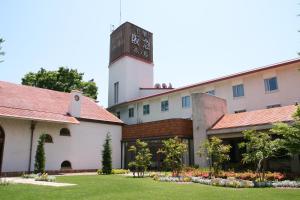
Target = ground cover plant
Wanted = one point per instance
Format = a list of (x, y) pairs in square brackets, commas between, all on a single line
[(123, 187)]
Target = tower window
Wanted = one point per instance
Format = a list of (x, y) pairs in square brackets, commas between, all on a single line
[(116, 92), (131, 112), (186, 101), (165, 105), (238, 90), (146, 109), (271, 84)]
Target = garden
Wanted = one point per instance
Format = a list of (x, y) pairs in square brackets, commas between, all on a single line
[(213, 182)]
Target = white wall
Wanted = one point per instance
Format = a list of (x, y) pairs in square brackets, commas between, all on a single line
[(288, 79), (131, 74), (82, 148)]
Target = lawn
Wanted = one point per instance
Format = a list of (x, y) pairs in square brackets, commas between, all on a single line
[(121, 187)]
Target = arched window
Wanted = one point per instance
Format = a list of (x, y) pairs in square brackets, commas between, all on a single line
[(48, 139), (65, 132), (66, 165)]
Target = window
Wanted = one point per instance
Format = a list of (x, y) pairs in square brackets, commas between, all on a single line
[(48, 139), (271, 84), (131, 112), (274, 106), (66, 165), (146, 109), (238, 90), (118, 115), (116, 92), (240, 111), (186, 101), (165, 105), (211, 92), (64, 132)]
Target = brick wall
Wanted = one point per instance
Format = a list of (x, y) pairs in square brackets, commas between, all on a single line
[(162, 128)]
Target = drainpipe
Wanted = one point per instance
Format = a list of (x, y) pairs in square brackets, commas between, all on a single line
[(32, 127)]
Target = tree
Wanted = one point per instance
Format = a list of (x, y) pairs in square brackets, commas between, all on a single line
[(290, 134), (106, 156), (39, 164), (173, 149), (259, 148), (216, 152), (63, 79), (142, 158), (1, 52)]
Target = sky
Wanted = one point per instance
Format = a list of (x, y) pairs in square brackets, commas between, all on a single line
[(194, 40)]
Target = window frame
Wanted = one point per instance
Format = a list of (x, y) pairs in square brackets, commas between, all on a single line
[(236, 89), (267, 83), (148, 106), (131, 112), (164, 106), (116, 92), (186, 101)]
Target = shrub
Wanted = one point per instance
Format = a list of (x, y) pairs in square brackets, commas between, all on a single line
[(173, 149), (106, 156), (29, 175), (39, 164), (216, 153), (45, 177), (120, 171), (142, 158)]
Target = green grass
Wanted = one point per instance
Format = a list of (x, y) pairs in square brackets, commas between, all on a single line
[(120, 187)]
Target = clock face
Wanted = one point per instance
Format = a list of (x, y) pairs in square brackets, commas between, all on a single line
[(141, 43), (129, 39)]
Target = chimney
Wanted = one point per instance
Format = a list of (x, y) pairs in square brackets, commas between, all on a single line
[(75, 103)]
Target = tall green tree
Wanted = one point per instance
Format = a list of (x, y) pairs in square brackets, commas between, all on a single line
[(63, 79), (106, 156), (173, 149), (290, 134), (40, 159), (259, 148), (216, 153), (142, 159), (1, 52)]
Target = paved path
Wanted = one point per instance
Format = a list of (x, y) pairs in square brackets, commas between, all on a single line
[(33, 182)]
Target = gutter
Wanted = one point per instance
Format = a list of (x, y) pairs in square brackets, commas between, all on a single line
[(32, 128)]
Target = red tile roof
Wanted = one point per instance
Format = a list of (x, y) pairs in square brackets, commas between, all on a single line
[(33, 103), (256, 118), (276, 65)]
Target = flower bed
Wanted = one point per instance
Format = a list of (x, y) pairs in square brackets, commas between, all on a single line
[(229, 182), (40, 177)]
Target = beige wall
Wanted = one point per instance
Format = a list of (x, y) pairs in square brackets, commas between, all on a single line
[(207, 110), (288, 78), (82, 148)]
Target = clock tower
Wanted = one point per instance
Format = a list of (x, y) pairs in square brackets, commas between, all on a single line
[(130, 63)]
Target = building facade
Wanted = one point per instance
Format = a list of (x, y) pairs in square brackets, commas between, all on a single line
[(76, 128), (140, 103)]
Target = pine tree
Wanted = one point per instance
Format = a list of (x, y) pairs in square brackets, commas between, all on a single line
[(106, 156), (39, 165)]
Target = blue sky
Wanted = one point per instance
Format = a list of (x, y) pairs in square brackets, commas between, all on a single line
[(194, 40)]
